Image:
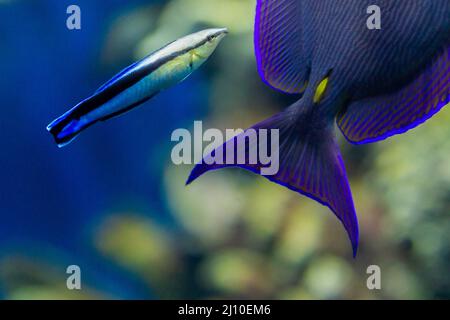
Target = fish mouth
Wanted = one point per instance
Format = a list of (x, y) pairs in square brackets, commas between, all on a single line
[(221, 33), (223, 30)]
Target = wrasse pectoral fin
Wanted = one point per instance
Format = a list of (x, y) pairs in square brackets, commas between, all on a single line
[(197, 55)]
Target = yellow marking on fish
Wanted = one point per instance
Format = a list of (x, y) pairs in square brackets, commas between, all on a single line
[(320, 91), (195, 54)]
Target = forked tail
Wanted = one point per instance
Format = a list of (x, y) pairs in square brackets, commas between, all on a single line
[(66, 128), (309, 163)]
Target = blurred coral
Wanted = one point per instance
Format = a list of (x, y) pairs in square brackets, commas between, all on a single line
[(231, 234)]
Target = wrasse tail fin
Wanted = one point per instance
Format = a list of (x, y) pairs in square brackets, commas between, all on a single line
[(66, 128), (309, 163)]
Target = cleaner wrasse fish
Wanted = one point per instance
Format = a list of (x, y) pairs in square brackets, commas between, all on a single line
[(373, 83), (138, 83)]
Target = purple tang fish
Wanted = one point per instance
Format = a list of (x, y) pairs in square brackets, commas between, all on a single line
[(373, 83)]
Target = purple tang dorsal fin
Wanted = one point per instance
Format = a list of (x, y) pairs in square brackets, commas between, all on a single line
[(279, 45)]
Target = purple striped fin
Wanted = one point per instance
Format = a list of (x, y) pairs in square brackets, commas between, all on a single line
[(309, 163), (279, 45), (378, 118)]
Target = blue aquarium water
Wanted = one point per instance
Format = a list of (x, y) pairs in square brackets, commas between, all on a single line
[(113, 204)]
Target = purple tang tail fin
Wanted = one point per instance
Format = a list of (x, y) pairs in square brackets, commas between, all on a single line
[(309, 163)]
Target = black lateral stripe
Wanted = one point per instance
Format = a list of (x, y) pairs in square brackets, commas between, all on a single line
[(130, 78), (129, 108)]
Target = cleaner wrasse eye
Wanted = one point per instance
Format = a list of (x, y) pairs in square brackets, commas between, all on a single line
[(138, 83), (373, 83)]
